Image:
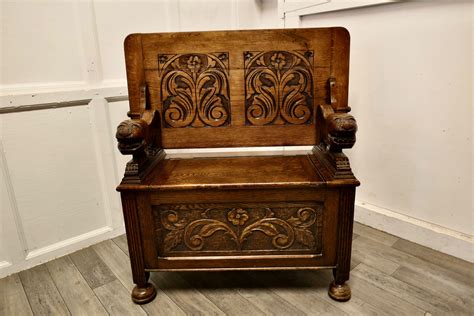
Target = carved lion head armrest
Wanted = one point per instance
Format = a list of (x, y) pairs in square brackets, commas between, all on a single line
[(341, 129), (131, 136), (337, 129), (140, 137)]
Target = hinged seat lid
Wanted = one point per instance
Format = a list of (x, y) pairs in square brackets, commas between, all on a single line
[(234, 172)]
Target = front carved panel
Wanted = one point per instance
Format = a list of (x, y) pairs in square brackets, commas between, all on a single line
[(238, 229), (278, 87), (195, 89)]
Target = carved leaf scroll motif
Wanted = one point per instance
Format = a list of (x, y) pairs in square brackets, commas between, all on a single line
[(278, 87), (195, 90), (285, 227)]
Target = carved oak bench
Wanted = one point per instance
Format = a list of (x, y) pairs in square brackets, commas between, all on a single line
[(233, 89)]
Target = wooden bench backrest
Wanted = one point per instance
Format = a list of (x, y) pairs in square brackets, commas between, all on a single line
[(237, 88)]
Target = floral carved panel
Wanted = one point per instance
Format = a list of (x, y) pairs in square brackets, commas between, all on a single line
[(278, 87), (217, 228), (195, 89)]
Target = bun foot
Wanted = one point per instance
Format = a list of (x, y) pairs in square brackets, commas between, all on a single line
[(143, 295), (339, 292)]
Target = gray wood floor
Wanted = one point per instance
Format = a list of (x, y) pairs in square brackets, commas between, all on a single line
[(390, 276)]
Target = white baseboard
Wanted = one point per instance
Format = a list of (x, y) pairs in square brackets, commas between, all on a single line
[(418, 231), (59, 249), (64, 244)]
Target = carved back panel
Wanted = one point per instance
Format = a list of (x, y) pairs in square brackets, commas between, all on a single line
[(237, 88)]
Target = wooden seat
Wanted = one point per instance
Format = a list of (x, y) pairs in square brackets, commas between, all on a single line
[(238, 89), (234, 172)]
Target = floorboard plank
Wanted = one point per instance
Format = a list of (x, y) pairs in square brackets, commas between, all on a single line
[(354, 263), (13, 299), (435, 285), (121, 241), (42, 293), (304, 298), (76, 293), (374, 234), (435, 304), (116, 299), (263, 298), (93, 269), (446, 277), (361, 253), (222, 295), (318, 282), (119, 263), (190, 300), (382, 300), (460, 266)]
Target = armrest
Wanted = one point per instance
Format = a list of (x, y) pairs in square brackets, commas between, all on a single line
[(131, 136), (338, 129), (140, 137)]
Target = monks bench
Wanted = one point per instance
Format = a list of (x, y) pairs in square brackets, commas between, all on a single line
[(238, 89)]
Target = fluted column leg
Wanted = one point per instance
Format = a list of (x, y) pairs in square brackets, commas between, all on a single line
[(144, 291), (339, 290)]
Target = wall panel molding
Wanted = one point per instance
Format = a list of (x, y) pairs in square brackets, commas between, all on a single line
[(99, 125), (59, 249), (12, 201), (101, 148), (105, 149), (31, 101), (287, 8), (291, 11), (63, 244)]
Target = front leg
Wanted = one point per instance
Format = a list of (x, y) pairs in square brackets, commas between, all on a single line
[(339, 290), (144, 291)]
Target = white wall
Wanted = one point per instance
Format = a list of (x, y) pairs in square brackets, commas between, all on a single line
[(63, 92), (411, 93), (38, 34)]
